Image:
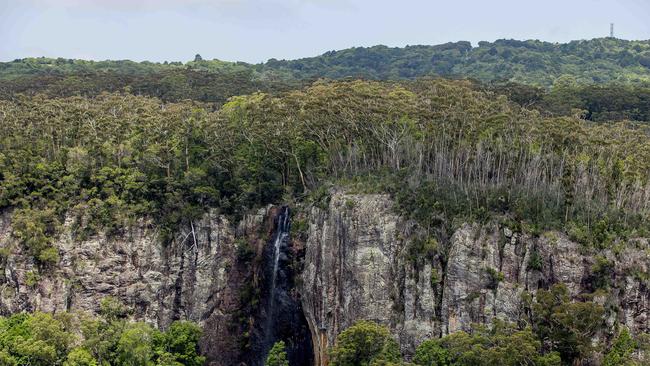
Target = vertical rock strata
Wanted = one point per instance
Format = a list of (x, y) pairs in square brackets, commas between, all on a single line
[(356, 265)]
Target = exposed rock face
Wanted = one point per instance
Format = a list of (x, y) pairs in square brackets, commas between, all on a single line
[(354, 269), (197, 276), (357, 265), (278, 313), (474, 250)]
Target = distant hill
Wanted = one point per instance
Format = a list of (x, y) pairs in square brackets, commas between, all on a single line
[(600, 60), (602, 79), (531, 62)]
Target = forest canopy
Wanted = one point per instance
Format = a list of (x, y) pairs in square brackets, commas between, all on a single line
[(605, 78), (598, 60), (536, 136), (110, 159)]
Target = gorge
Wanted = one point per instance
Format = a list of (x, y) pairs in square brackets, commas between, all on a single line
[(347, 261), (428, 222)]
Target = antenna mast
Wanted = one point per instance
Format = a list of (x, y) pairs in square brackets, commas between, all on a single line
[(611, 30)]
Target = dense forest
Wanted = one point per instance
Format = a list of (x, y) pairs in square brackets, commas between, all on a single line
[(116, 157), (599, 60), (542, 136), (607, 79), (70, 340)]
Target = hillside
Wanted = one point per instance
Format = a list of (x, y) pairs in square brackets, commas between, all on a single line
[(444, 205), (599, 60), (455, 219), (601, 79)]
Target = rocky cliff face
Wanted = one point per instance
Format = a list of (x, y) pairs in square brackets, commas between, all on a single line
[(358, 266), (201, 275), (354, 269), (352, 261)]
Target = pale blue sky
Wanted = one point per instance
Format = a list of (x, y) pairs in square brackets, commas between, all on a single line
[(256, 30)]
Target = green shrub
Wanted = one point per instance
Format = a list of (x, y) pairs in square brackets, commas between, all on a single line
[(181, 340), (32, 278), (320, 197), (49, 255), (36, 230), (535, 261), (41, 339), (299, 227), (621, 351), (502, 344), (112, 309), (568, 326), (420, 249), (80, 357), (494, 277), (363, 343), (434, 278), (4, 254), (136, 344), (277, 355), (601, 272), (7, 359), (244, 251), (431, 353)]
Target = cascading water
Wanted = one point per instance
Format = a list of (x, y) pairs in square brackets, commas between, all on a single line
[(281, 317), (280, 238)]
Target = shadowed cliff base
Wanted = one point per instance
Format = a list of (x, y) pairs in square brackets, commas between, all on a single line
[(280, 317)]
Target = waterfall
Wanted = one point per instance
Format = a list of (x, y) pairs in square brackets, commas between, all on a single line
[(281, 316), (281, 236)]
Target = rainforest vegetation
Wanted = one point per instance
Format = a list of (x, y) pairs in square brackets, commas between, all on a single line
[(539, 135), (111, 159), (569, 325), (67, 339), (599, 60)]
